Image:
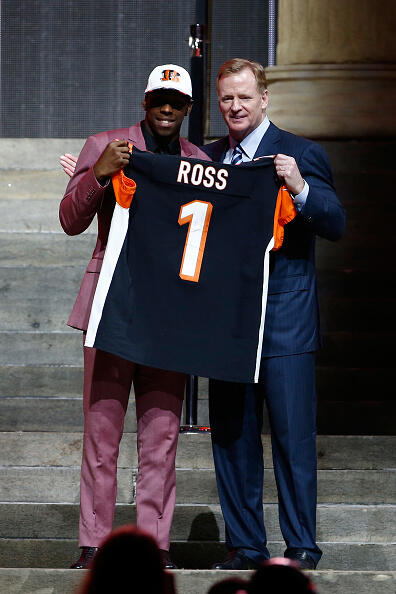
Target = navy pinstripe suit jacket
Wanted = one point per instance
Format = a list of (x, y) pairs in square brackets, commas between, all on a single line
[(292, 318)]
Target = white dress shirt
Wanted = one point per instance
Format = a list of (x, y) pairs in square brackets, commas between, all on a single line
[(249, 146)]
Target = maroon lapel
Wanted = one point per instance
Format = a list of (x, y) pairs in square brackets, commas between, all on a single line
[(136, 137)]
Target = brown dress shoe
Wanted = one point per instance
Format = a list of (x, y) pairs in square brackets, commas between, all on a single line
[(167, 562), (86, 558)]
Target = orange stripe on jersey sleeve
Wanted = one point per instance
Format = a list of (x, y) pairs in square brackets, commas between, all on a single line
[(124, 189), (285, 211)]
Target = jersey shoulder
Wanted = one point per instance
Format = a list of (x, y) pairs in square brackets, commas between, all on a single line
[(189, 149)]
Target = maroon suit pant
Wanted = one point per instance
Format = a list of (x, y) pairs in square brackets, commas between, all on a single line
[(159, 398)]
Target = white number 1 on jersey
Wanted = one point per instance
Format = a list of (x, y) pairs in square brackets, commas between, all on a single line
[(197, 214)]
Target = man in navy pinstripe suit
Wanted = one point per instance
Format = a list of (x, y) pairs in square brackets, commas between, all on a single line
[(291, 337)]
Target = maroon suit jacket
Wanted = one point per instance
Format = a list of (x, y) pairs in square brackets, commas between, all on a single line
[(85, 197)]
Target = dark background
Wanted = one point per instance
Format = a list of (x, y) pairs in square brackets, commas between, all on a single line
[(70, 69)]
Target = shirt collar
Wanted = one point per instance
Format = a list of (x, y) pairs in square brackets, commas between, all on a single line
[(152, 144), (250, 144)]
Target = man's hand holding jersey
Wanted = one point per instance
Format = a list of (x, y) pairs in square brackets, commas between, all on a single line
[(289, 173), (114, 157)]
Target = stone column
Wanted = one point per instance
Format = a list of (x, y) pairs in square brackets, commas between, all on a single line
[(336, 69)]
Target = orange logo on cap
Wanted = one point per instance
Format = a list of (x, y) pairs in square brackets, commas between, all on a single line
[(171, 75)]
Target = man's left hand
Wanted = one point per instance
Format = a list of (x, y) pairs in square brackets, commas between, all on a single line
[(289, 173), (68, 163)]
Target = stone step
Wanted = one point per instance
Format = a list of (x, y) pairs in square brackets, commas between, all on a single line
[(41, 154), (35, 227), (35, 347), (56, 248), (38, 214), (46, 249), (59, 249), (333, 283), (46, 307), (38, 298), (194, 451), (336, 556), (37, 239), (52, 380), (53, 484), (48, 414), (337, 523), (327, 582), (32, 187), (60, 553), (52, 291), (343, 349), (340, 417), (41, 380), (66, 414), (66, 380), (64, 581)]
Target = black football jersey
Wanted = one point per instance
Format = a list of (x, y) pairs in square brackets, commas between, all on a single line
[(184, 280)]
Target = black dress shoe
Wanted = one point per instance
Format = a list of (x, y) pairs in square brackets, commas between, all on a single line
[(86, 558), (237, 560), (167, 562), (301, 557)]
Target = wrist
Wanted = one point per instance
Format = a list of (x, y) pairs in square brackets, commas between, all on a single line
[(298, 188), (100, 176)]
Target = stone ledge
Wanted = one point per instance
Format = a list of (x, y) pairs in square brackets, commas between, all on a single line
[(36, 153), (64, 581)]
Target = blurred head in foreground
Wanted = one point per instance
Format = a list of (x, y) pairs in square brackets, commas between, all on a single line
[(280, 575), (127, 561)]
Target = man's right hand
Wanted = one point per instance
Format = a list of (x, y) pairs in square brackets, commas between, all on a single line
[(114, 157)]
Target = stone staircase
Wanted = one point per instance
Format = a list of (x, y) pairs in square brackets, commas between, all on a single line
[(41, 422)]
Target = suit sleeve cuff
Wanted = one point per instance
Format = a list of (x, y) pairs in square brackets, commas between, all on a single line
[(93, 190)]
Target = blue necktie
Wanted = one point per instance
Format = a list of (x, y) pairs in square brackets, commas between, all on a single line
[(236, 158)]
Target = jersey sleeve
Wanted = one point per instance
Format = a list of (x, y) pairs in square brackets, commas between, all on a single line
[(123, 186), (285, 211), (124, 189)]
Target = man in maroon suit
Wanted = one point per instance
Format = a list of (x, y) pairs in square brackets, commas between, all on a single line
[(107, 378)]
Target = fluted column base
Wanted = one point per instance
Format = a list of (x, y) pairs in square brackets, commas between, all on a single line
[(328, 101)]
